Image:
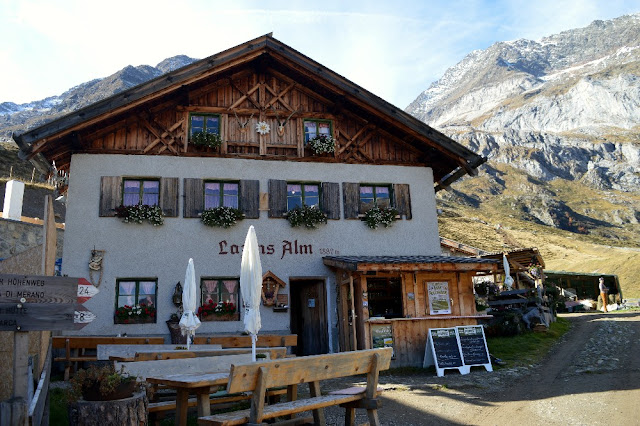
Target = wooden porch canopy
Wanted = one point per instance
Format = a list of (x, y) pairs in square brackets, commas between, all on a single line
[(365, 264), (519, 259)]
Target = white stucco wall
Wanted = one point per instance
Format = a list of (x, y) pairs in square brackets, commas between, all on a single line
[(134, 250)]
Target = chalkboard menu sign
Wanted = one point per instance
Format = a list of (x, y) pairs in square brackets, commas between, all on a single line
[(473, 345), (445, 347)]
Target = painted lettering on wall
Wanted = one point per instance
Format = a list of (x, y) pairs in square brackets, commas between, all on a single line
[(287, 248)]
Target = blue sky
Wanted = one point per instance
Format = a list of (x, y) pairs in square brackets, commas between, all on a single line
[(394, 49)]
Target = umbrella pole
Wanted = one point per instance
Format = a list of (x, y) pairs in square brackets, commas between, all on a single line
[(254, 338)]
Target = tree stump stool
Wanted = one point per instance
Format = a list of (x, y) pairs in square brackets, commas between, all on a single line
[(131, 411)]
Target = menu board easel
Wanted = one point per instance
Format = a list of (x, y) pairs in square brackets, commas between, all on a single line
[(473, 346), (457, 347), (443, 351)]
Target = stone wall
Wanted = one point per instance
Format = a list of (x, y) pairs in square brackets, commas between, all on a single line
[(17, 237)]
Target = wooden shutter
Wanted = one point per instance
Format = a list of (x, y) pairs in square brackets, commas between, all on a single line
[(330, 203), (110, 195), (249, 194), (193, 197), (277, 198), (402, 199), (169, 190), (351, 199)]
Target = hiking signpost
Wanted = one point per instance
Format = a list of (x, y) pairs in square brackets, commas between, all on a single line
[(40, 302)]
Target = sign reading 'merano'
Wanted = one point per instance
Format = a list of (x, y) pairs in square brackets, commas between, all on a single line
[(37, 302)]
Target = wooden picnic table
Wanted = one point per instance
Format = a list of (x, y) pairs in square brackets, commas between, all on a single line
[(198, 383)]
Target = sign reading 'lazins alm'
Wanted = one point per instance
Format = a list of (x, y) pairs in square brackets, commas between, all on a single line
[(34, 302)]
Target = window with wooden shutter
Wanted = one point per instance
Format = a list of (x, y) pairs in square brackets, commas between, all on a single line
[(169, 190), (250, 198), (351, 199), (277, 198), (193, 197), (330, 200), (110, 195), (402, 199)]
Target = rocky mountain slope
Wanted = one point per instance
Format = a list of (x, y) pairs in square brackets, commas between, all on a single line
[(561, 117), (17, 118)]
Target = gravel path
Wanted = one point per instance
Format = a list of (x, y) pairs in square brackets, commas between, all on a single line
[(591, 377)]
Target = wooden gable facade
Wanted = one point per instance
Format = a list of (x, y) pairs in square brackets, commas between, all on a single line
[(261, 81)]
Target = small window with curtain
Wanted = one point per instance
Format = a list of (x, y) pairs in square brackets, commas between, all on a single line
[(136, 300), (221, 194), (374, 195), (219, 299), (140, 191), (302, 194), (313, 128), (204, 123)]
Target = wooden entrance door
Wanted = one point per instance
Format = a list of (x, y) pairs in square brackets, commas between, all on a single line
[(309, 316)]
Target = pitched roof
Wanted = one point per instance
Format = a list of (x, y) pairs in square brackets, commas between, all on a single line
[(449, 159)]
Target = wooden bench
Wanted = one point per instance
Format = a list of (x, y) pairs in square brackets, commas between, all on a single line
[(221, 362), (244, 341), (274, 353), (76, 346), (260, 376)]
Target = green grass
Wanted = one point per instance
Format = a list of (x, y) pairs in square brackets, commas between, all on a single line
[(58, 402), (528, 348)]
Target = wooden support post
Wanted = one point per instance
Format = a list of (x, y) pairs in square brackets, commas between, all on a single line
[(353, 313)]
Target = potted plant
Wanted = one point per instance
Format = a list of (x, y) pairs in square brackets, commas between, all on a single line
[(380, 216), (206, 139), (102, 395), (221, 311), (139, 213), (102, 384), (307, 216), (322, 144), (136, 314), (223, 217)]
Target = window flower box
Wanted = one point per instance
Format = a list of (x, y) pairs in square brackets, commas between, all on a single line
[(322, 144), (222, 311), (307, 216), (137, 314), (224, 217), (206, 139), (139, 213), (376, 216)]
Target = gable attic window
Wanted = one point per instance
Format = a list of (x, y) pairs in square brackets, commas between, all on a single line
[(206, 123), (129, 191), (313, 128), (360, 197), (284, 196), (221, 194)]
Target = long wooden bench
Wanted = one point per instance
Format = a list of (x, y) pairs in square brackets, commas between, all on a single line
[(244, 341), (273, 352), (76, 347), (260, 376)]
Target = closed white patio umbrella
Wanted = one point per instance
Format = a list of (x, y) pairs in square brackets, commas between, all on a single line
[(508, 281), (189, 321), (251, 287)]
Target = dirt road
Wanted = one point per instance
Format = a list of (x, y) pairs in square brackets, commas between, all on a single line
[(591, 378)]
